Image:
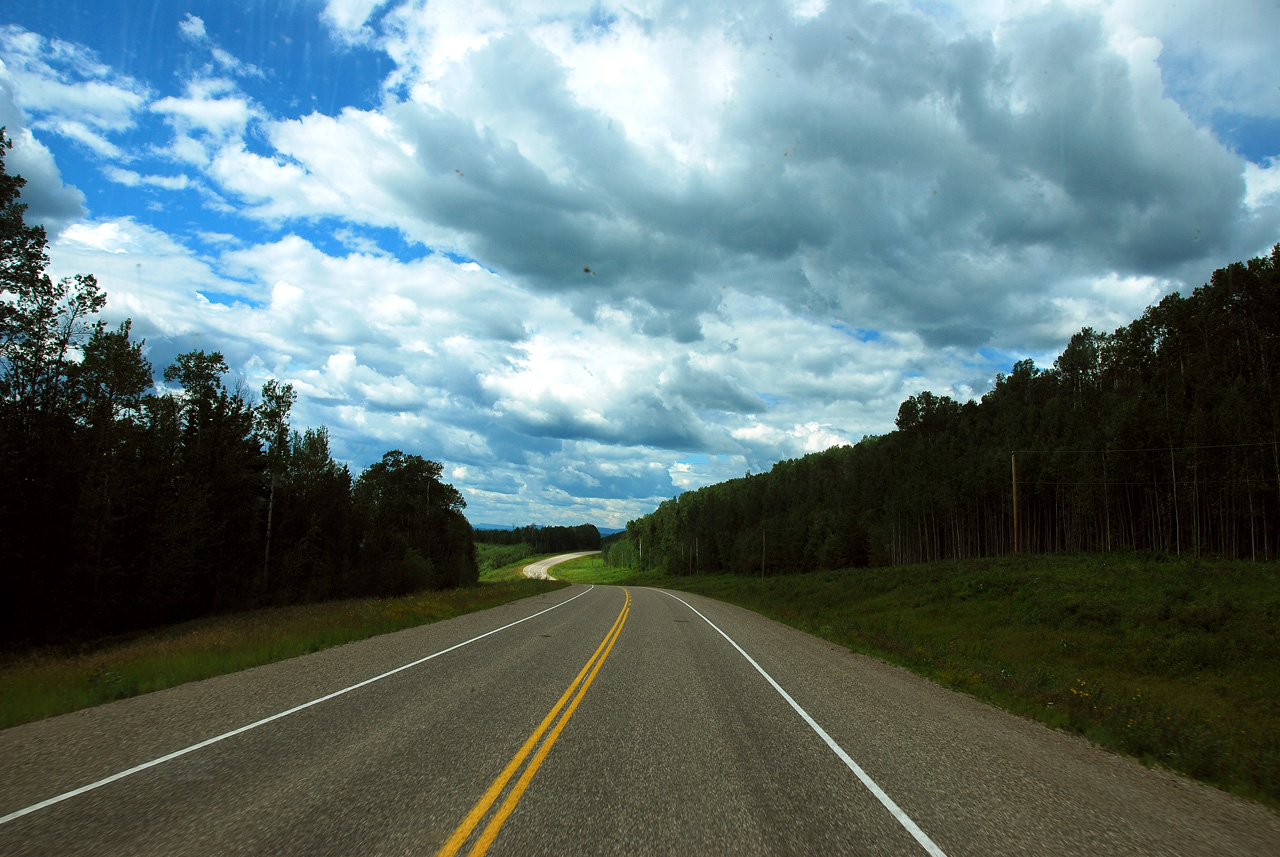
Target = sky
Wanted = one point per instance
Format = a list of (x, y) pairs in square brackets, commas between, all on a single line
[(588, 256)]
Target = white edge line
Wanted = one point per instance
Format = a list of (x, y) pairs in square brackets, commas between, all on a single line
[(205, 743), (903, 819)]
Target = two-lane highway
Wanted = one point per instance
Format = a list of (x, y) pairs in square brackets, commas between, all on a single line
[(592, 720)]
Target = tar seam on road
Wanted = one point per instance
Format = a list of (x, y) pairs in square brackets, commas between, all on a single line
[(903, 819), (185, 750), (464, 830)]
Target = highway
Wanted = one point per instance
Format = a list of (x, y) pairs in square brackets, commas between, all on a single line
[(590, 720)]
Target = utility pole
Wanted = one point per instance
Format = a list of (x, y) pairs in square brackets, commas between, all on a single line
[(1013, 459)]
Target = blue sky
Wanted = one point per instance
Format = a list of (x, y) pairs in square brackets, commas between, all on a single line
[(591, 255)]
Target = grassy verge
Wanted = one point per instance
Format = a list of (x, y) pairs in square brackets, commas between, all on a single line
[(591, 569), (1175, 662), (43, 683)]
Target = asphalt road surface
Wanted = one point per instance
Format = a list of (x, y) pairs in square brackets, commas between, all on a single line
[(609, 721)]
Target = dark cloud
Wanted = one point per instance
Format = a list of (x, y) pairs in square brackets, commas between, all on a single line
[(705, 390)]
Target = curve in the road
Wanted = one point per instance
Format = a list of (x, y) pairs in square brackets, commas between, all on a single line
[(540, 568)]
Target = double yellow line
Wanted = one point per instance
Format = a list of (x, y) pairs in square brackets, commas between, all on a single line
[(478, 812)]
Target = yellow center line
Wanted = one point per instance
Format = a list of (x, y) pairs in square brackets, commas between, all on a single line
[(589, 670)]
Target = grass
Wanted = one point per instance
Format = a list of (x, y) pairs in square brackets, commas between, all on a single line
[(591, 569), (1174, 662), (494, 557), (512, 571), (46, 682)]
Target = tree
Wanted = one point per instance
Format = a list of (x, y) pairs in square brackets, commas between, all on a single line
[(271, 422), (317, 532), (108, 391), (209, 552), (42, 325), (23, 256), (121, 508), (416, 536), (41, 321)]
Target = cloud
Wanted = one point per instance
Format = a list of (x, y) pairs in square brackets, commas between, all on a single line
[(129, 178), (92, 140), (348, 17), (192, 28), (483, 374), (212, 106), (49, 200), (827, 166), (54, 77), (704, 238)]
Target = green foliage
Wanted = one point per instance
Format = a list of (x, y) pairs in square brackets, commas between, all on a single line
[(593, 569), (415, 534), (492, 557)]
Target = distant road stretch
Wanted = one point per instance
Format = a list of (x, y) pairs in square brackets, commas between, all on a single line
[(539, 568), (590, 720)]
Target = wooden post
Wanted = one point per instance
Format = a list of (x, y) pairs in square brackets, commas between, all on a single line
[(1013, 459)]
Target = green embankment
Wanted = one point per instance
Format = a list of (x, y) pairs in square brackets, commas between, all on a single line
[(592, 569), (498, 558), (47, 682), (1175, 662)]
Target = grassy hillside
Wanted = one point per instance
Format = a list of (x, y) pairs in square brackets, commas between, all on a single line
[(1176, 662)]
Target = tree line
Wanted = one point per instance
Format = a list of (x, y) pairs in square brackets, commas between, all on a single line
[(584, 537), (125, 504), (1161, 436)]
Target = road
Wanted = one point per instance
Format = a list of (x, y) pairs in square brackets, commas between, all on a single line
[(609, 720), (541, 567)]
